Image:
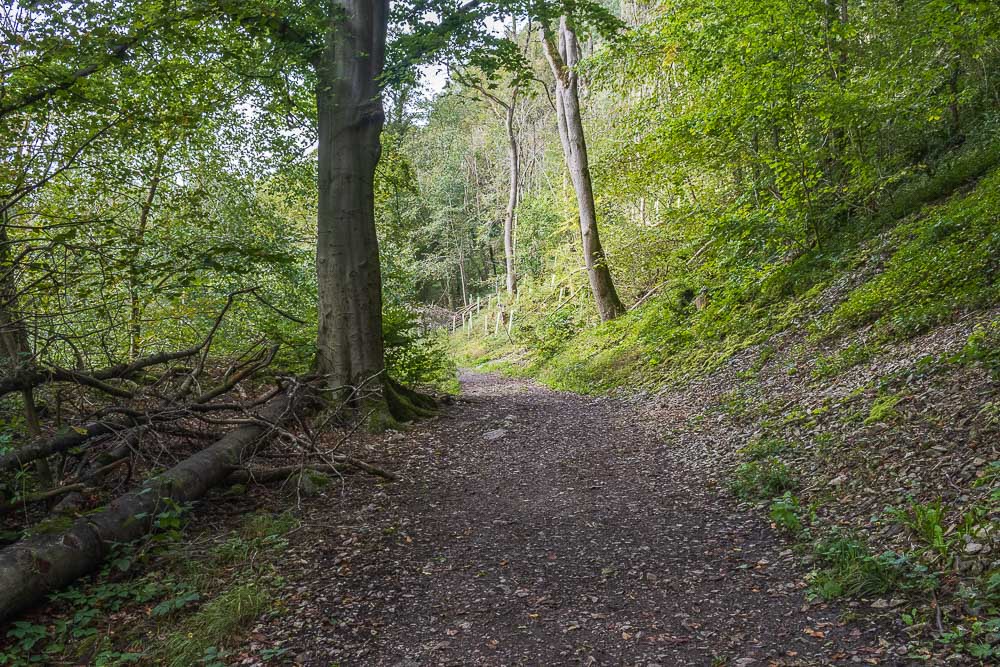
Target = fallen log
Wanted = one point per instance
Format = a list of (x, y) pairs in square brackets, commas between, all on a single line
[(32, 568)]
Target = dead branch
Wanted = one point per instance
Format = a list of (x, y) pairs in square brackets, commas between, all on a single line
[(32, 568), (39, 496), (268, 475), (29, 377)]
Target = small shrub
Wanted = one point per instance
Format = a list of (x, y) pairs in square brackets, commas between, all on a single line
[(785, 513), (927, 521), (412, 356), (758, 480), (764, 448)]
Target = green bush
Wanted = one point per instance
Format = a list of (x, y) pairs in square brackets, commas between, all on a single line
[(762, 479), (415, 357), (982, 348), (785, 513), (764, 448)]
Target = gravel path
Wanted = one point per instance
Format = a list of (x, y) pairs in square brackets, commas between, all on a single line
[(533, 527)]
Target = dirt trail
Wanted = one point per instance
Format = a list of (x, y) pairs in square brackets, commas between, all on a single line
[(540, 528)]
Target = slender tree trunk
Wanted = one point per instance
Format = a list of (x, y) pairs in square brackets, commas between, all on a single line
[(562, 52), (515, 174), (349, 103), (16, 346), (461, 276), (135, 299)]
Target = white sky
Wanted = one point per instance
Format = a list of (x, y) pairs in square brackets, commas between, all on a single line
[(433, 79)]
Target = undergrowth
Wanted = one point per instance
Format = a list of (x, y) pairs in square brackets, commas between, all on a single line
[(172, 603), (938, 259)]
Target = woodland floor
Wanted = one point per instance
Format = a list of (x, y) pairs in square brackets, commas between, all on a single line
[(532, 527)]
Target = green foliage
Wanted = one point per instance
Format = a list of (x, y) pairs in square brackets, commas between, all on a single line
[(849, 568), (549, 333), (764, 448), (883, 409), (83, 608), (203, 636), (927, 521), (767, 181), (827, 366), (944, 262), (982, 348), (785, 513), (761, 479), (260, 533), (413, 355)]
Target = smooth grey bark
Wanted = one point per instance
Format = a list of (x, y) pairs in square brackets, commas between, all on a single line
[(349, 103), (350, 349), (506, 109), (513, 159), (351, 116), (563, 53)]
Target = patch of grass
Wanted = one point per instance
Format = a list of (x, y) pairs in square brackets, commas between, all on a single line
[(849, 568), (831, 365), (761, 479), (203, 637), (259, 532), (263, 525), (945, 262), (765, 448), (883, 409)]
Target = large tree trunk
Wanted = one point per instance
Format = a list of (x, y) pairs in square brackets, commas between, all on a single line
[(350, 351), (349, 102), (562, 52), (33, 568), (513, 159)]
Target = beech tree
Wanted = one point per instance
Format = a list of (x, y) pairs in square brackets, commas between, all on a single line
[(562, 51), (349, 122)]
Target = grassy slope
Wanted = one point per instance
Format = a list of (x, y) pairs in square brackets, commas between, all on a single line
[(915, 273)]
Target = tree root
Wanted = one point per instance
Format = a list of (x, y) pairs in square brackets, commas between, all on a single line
[(342, 464), (405, 404)]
